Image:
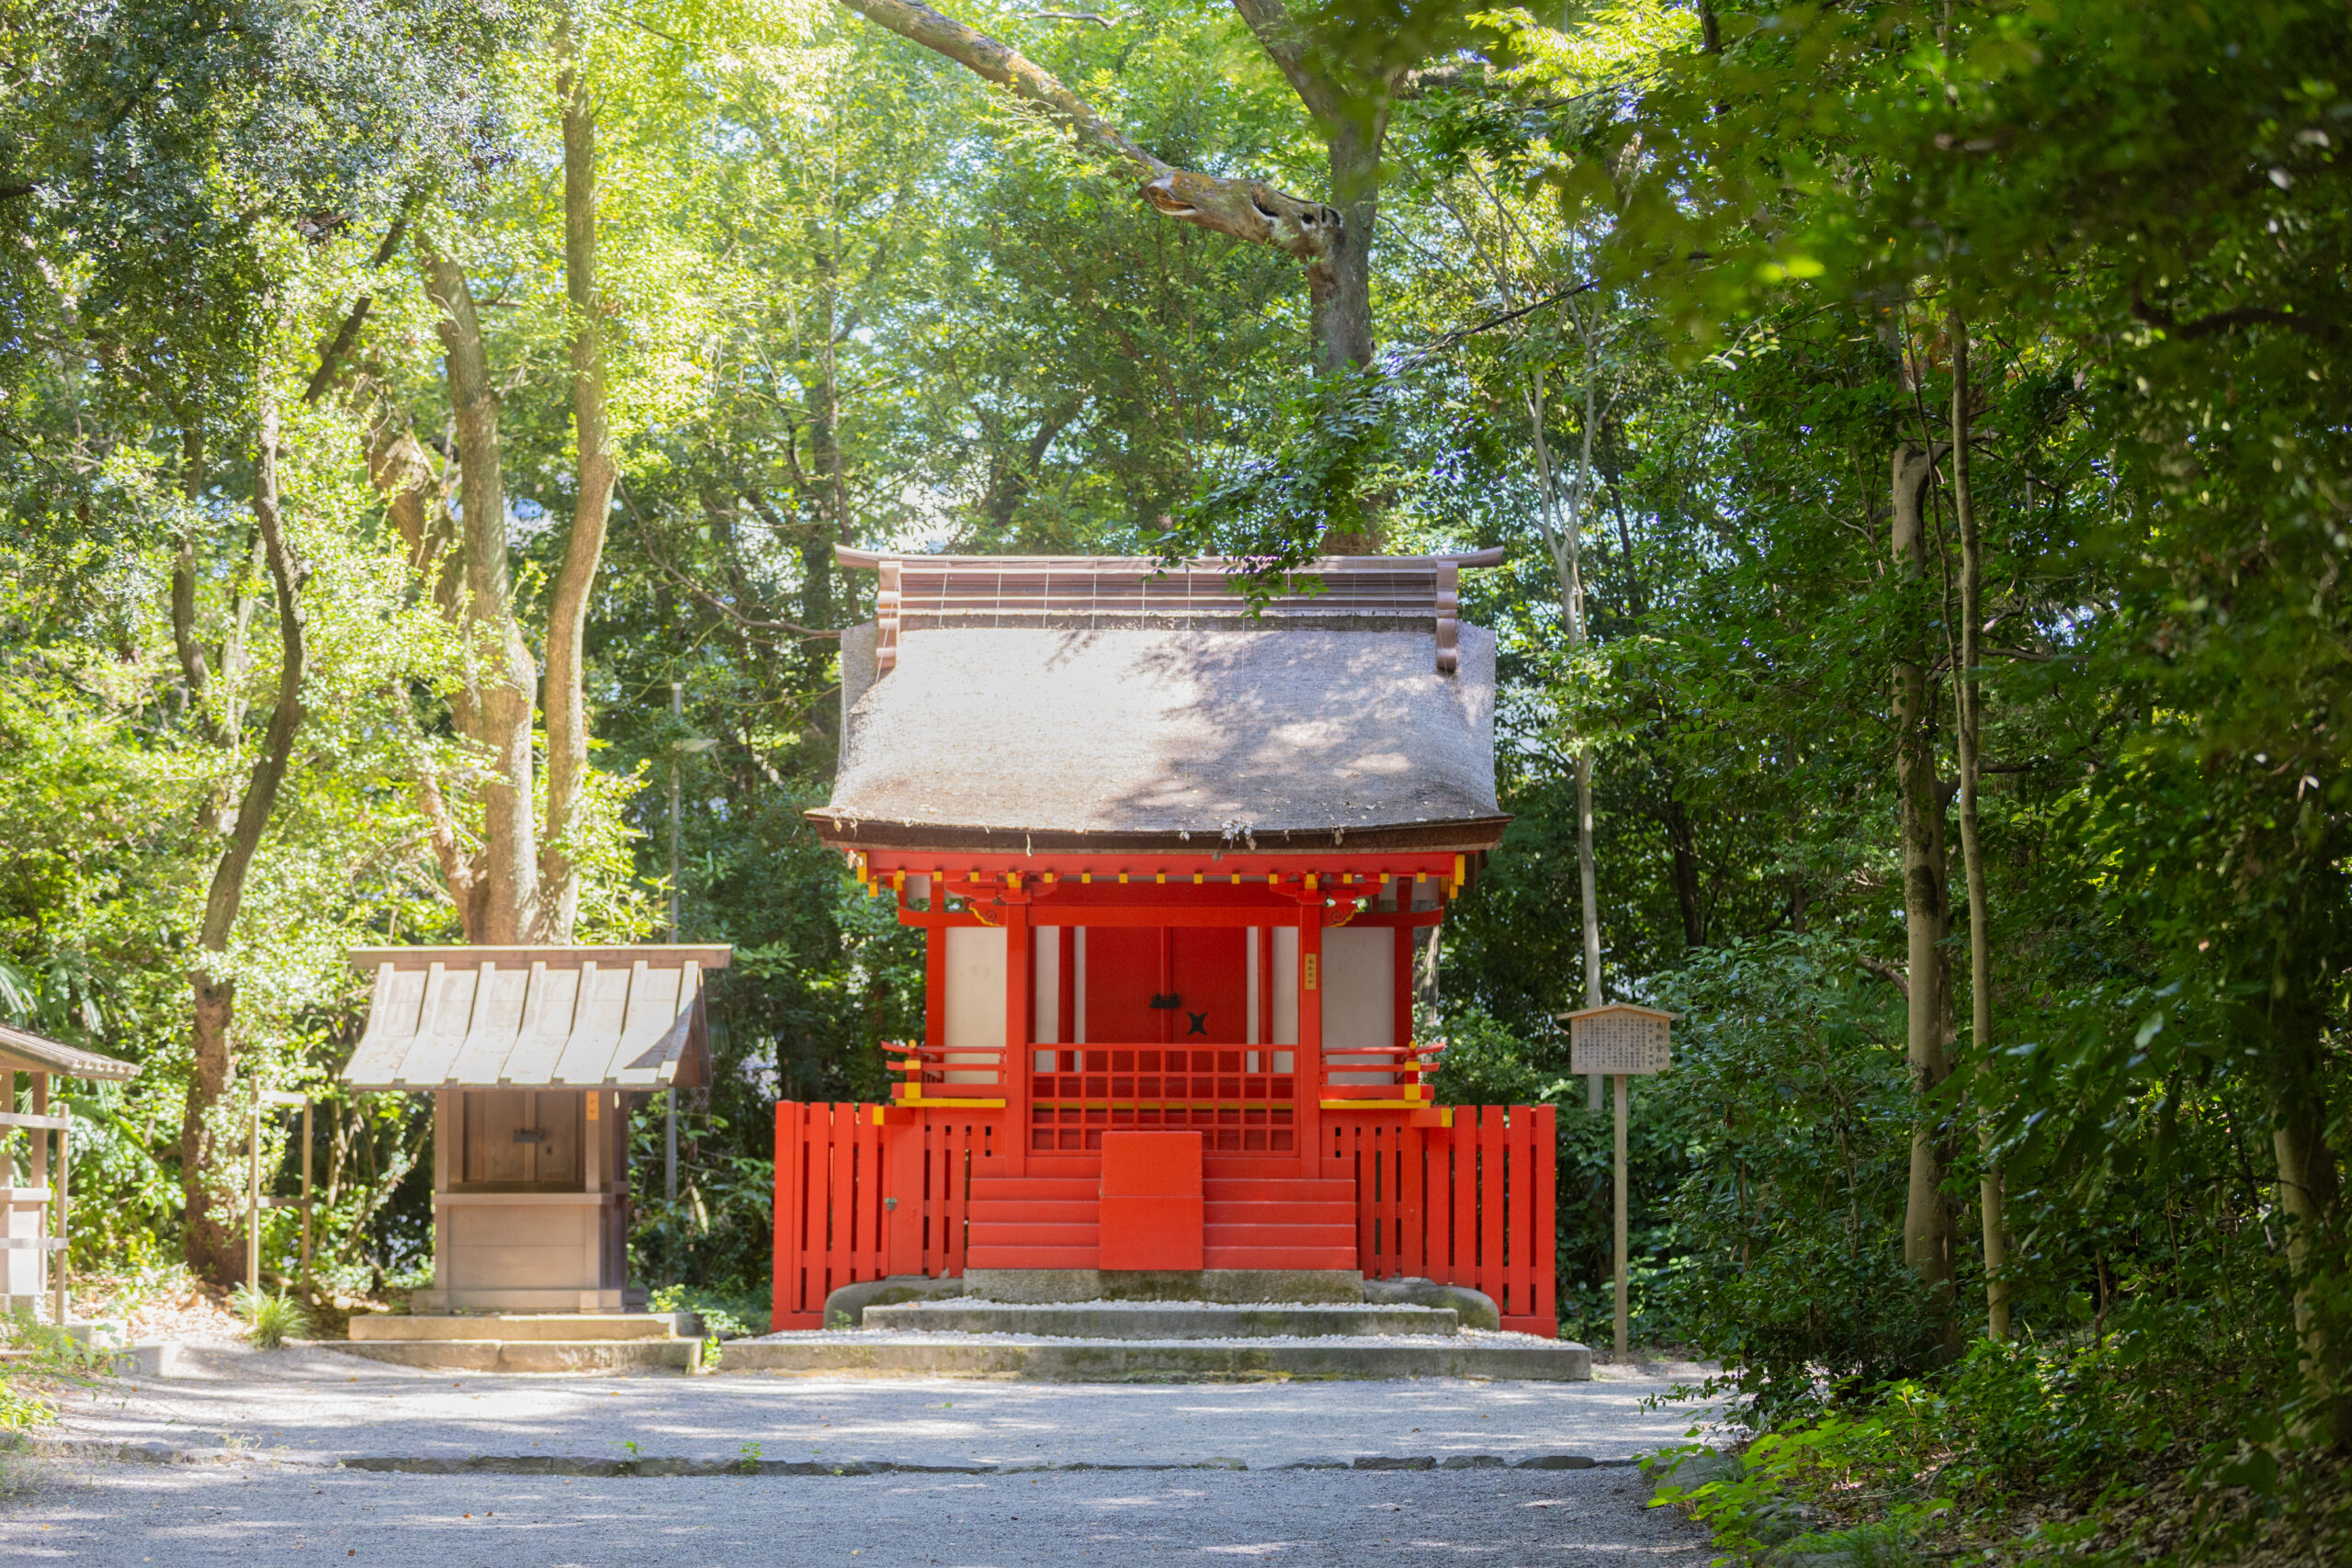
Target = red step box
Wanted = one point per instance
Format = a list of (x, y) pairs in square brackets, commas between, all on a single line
[(1152, 1205)]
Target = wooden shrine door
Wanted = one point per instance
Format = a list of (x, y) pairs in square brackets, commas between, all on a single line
[(1167, 1046)]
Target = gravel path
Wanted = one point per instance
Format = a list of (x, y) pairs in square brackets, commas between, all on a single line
[(242, 1514), (321, 1404)]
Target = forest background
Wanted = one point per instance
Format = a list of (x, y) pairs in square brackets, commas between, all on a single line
[(1915, 431)]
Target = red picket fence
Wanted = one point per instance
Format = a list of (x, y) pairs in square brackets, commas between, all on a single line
[(1472, 1204), (854, 1201)]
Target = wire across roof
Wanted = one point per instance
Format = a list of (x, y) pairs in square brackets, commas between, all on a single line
[(525, 1017)]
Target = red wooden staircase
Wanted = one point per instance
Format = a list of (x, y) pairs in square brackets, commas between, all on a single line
[(1033, 1222), (1258, 1221)]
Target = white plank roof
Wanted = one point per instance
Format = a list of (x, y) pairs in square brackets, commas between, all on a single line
[(24, 1051), (556, 1017)]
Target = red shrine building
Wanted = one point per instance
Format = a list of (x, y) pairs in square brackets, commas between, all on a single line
[(1172, 862)]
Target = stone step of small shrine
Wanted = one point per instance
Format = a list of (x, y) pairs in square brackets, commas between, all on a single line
[(1066, 1359), (1088, 1325), (1165, 1320), (531, 1342)]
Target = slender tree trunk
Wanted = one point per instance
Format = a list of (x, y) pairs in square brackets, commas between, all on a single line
[(1968, 694), (212, 1249), (1563, 535), (1680, 842), (499, 664), (566, 698), (2311, 1193), (1926, 1217)]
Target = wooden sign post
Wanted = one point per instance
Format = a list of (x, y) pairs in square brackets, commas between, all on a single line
[(1619, 1039)]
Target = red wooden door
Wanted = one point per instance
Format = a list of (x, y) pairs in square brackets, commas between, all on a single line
[(1123, 966), (1202, 968)]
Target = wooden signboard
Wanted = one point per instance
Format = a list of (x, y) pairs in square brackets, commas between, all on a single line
[(1616, 1040)]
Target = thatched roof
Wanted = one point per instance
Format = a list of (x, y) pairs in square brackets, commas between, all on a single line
[(23, 1051), (1038, 704), (534, 1017)]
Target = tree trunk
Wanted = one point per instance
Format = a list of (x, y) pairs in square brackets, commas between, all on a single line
[(566, 699), (2309, 1192), (1339, 282), (1968, 703), (498, 664), (1681, 841), (1927, 1218), (1563, 528), (212, 1243)]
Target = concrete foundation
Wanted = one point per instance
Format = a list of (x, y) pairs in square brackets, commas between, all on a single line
[(537, 1342), (533, 1354), (1140, 1360), (1257, 1321), (383, 1327)]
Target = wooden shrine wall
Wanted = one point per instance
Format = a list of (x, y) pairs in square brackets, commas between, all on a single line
[(836, 1172), (1473, 1204)]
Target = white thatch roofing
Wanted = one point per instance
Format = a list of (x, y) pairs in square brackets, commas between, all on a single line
[(1044, 718), (23, 1051), (524, 1017)]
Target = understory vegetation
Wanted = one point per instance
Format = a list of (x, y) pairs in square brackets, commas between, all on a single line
[(1917, 438)]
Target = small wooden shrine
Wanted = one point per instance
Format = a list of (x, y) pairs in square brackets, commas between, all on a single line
[(39, 1203), (1170, 860), (532, 1055)]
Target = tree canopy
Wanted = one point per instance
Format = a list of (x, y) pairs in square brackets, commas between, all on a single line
[(1915, 433)]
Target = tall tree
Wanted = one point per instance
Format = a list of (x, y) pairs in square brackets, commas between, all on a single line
[(1346, 70), (1927, 1218)]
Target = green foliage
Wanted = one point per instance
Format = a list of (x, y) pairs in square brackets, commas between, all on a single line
[(271, 1318), (2025, 1452), (1797, 1118)]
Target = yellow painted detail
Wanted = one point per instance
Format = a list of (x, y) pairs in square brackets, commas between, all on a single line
[(1375, 1105), (917, 1098)]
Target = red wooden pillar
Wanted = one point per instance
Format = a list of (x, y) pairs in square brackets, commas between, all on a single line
[(934, 970), (785, 1302), (1309, 1082), (1020, 1015), (902, 1190), (1066, 973), (1401, 1016)]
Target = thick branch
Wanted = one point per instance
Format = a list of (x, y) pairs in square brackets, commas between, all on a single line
[(1241, 208), (286, 576)]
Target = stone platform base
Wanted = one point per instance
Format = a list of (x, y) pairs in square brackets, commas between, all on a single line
[(543, 1326), (1184, 1321), (534, 1342), (1164, 1284), (1081, 1361), (533, 1354)]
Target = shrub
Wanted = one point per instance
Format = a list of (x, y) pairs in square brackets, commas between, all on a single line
[(271, 1320)]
